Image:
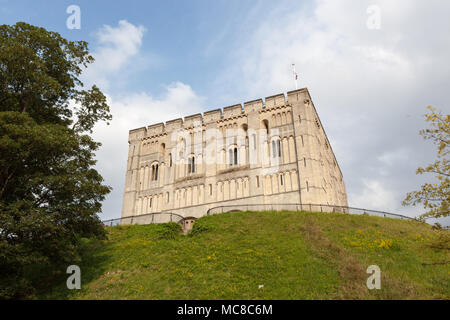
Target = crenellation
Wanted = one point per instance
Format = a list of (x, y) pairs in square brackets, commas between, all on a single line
[(275, 100), (232, 111), (155, 129), (193, 120), (296, 96), (271, 151), (137, 134), (212, 116), (174, 124), (254, 105)]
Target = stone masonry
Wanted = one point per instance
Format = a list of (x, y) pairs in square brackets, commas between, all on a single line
[(264, 152)]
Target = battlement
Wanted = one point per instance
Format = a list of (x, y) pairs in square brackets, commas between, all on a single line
[(268, 150), (295, 96)]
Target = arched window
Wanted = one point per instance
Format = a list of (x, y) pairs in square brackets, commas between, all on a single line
[(233, 156), (266, 126), (279, 148), (155, 172), (276, 148), (191, 164)]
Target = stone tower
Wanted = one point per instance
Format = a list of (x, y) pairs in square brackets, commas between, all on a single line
[(264, 152)]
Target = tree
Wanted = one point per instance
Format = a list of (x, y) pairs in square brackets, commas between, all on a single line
[(435, 197), (50, 194)]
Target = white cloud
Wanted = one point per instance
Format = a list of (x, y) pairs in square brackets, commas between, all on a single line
[(129, 112), (370, 87), (117, 48), (394, 157), (373, 196), (118, 51)]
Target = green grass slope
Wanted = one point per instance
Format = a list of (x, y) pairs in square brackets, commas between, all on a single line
[(293, 255)]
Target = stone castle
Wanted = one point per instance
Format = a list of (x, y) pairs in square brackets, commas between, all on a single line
[(264, 152)]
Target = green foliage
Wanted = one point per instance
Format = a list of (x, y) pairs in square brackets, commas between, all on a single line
[(49, 192), (201, 226), (435, 197), (295, 255), (169, 231)]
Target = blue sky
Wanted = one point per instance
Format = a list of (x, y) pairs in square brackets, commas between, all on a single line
[(190, 40), (162, 60)]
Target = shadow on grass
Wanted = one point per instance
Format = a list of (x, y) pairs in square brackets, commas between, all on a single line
[(94, 260)]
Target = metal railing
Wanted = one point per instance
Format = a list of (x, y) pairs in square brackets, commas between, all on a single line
[(304, 207), (148, 218), (163, 217)]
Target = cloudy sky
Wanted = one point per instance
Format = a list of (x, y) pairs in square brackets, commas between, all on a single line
[(371, 67)]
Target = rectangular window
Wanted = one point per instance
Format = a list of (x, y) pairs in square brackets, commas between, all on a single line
[(210, 189), (257, 181)]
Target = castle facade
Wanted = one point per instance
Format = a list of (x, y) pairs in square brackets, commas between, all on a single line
[(264, 152)]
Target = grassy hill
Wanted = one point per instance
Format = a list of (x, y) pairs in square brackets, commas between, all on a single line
[(293, 255)]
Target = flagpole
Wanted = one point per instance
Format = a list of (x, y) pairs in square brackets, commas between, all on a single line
[(295, 76)]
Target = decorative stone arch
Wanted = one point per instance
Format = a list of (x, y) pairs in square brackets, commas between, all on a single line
[(265, 125), (275, 145), (279, 123), (233, 155), (187, 223), (191, 169), (181, 147), (154, 170)]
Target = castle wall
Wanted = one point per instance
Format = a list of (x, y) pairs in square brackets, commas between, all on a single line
[(257, 153)]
